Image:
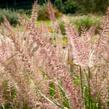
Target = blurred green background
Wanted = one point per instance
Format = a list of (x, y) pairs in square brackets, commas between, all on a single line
[(65, 6), (72, 8)]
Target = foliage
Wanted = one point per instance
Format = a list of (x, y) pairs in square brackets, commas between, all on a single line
[(41, 2), (86, 22), (59, 5), (24, 12), (65, 6), (43, 13), (93, 6), (10, 15), (62, 27), (68, 6), (82, 6)]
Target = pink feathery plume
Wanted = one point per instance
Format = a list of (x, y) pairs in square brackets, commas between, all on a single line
[(83, 49), (51, 12)]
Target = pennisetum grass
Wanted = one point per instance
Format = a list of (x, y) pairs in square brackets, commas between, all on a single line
[(42, 78)]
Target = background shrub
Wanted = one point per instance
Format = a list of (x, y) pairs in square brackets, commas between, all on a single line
[(43, 13), (86, 22), (82, 6), (68, 6), (59, 5), (10, 15), (92, 6), (24, 12), (65, 6), (41, 2)]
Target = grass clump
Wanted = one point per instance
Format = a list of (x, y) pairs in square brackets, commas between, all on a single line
[(44, 15), (86, 22), (11, 15)]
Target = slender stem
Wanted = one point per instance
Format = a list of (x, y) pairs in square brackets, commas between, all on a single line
[(81, 81), (89, 87)]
